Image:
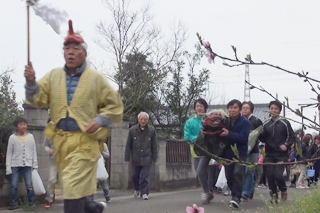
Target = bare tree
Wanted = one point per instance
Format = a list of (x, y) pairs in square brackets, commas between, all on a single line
[(134, 30)]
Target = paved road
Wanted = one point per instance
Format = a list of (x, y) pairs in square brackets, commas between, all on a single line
[(172, 202)]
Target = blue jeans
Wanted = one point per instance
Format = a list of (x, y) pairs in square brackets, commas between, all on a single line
[(249, 178), (202, 172), (196, 163), (105, 188), (141, 179), (26, 174)]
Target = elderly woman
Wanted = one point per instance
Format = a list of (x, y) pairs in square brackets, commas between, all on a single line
[(303, 167)]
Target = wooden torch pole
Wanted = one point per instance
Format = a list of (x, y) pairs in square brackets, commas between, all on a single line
[(28, 33)]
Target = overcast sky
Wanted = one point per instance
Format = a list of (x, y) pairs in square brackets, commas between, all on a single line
[(284, 33)]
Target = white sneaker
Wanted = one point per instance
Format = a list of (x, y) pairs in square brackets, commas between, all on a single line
[(262, 186), (104, 204), (145, 197), (136, 193), (227, 193), (233, 204), (300, 186)]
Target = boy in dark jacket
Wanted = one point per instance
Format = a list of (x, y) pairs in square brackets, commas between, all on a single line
[(278, 137), (237, 133)]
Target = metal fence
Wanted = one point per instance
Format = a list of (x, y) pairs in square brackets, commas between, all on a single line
[(178, 152)]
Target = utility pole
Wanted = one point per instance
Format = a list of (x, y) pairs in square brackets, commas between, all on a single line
[(301, 110), (246, 84)]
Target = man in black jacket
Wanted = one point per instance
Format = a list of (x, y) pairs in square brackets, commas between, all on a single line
[(143, 149), (278, 137), (253, 155)]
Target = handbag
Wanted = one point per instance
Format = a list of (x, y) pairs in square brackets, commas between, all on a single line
[(38, 187), (310, 172)]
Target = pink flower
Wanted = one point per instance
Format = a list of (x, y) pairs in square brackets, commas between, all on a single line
[(210, 56), (194, 209), (206, 44)]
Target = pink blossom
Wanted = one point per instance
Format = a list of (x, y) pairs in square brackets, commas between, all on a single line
[(210, 56), (206, 44), (194, 209)]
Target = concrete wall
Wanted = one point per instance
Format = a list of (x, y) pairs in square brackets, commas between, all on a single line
[(163, 176), (119, 174)]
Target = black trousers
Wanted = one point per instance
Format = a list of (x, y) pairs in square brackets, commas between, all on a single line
[(263, 176), (82, 205), (275, 174), (235, 178), (213, 173)]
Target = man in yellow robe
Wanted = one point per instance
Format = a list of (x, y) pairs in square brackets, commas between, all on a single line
[(82, 106)]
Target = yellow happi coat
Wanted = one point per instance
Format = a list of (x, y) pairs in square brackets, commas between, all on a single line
[(76, 153)]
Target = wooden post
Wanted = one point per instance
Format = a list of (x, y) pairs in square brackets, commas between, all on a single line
[(28, 33), (319, 109), (302, 128)]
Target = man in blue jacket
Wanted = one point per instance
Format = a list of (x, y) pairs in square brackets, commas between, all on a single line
[(237, 134)]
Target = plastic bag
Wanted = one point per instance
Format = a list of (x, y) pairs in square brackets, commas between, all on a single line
[(222, 180), (38, 187), (102, 173), (285, 172), (212, 162)]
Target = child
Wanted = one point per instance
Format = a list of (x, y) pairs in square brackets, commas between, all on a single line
[(21, 159), (48, 146), (103, 182)]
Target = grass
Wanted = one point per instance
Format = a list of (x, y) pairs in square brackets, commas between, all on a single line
[(309, 202), (23, 203)]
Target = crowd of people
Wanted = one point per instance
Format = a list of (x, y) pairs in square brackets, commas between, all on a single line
[(275, 139), (83, 106), (299, 176)]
